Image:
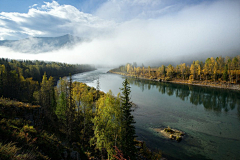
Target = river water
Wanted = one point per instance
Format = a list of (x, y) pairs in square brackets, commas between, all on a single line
[(210, 117)]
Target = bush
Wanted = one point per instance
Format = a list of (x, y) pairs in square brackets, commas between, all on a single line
[(29, 129), (168, 79), (8, 151), (11, 151)]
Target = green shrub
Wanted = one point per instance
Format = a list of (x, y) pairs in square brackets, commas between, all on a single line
[(168, 129), (28, 128), (168, 78), (178, 138)]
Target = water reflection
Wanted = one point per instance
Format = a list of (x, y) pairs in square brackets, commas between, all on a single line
[(213, 99)]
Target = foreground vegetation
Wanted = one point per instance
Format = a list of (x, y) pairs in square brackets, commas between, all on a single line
[(39, 120), (21, 138), (217, 72)]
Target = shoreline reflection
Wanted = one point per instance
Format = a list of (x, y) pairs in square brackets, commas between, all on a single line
[(213, 99)]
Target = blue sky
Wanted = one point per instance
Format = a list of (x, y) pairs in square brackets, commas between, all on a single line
[(22, 6), (126, 30), (88, 6)]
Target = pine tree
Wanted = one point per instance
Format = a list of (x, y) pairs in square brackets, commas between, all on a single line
[(128, 129), (47, 101), (70, 109), (225, 73)]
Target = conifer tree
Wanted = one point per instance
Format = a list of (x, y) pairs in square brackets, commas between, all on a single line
[(47, 101), (128, 129), (70, 109), (225, 73), (98, 88)]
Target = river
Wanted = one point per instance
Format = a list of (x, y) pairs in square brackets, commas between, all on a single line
[(210, 117)]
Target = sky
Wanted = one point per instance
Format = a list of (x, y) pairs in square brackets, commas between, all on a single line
[(152, 32)]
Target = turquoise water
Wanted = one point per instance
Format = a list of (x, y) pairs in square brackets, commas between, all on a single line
[(210, 117)]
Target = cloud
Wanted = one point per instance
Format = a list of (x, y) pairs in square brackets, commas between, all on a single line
[(51, 19), (125, 10), (33, 6), (122, 10), (196, 31)]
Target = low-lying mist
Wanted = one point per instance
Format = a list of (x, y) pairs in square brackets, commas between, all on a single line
[(194, 33)]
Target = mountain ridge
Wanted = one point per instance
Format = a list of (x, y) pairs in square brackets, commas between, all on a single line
[(36, 45)]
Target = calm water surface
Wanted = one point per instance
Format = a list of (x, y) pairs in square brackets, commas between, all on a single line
[(210, 117)]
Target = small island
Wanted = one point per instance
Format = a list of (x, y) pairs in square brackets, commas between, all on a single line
[(171, 133)]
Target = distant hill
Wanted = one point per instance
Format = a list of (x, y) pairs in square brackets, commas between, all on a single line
[(41, 44)]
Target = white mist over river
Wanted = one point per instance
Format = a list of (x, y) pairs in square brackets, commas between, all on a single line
[(210, 117)]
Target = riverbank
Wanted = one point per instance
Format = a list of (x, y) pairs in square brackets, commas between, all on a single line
[(180, 81)]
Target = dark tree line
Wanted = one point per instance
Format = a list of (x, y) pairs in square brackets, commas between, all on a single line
[(20, 79), (36, 69)]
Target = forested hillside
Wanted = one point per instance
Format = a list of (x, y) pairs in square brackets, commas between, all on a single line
[(39, 120), (21, 79)]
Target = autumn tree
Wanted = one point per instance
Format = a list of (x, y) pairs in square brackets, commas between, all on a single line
[(206, 68), (61, 100), (46, 98), (143, 71), (178, 71), (149, 71), (193, 70), (129, 68), (221, 65), (87, 112), (215, 73), (183, 69), (199, 71), (229, 64), (235, 64), (47, 94), (107, 126), (159, 72), (170, 71)]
